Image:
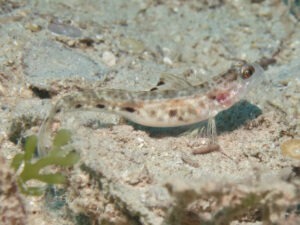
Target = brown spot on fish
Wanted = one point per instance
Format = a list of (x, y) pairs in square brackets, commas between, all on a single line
[(172, 112), (161, 82), (212, 95), (152, 113), (154, 89), (191, 110), (201, 104), (129, 109), (100, 106)]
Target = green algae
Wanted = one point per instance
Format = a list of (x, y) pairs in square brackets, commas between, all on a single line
[(32, 167)]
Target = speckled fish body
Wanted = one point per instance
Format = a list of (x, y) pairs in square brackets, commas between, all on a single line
[(165, 108)]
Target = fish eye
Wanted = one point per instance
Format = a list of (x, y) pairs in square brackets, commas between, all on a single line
[(247, 71)]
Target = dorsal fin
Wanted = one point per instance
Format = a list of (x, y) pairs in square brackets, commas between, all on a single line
[(169, 81)]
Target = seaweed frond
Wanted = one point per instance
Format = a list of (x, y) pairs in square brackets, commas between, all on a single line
[(32, 167)]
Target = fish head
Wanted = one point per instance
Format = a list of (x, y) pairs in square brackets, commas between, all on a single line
[(235, 84)]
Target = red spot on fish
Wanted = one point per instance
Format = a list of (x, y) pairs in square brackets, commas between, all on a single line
[(221, 97)]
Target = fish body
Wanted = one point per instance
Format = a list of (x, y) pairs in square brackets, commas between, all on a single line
[(164, 108)]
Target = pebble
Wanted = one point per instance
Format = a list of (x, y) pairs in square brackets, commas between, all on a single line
[(131, 45), (109, 58), (167, 61), (47, 61), (291, 148), (33, 27)]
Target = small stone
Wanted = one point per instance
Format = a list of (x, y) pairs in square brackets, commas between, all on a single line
[(33, 27), (167, 61), (131, 45), (10, 63), (109, 58), (266, 12), (291, 148), (71, 43), (48, 61)]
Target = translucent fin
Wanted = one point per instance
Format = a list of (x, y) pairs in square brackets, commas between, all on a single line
[(212, 131), (169, 81), (209, 131)]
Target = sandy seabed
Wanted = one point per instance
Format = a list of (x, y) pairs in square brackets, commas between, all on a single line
[(133, 175)]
